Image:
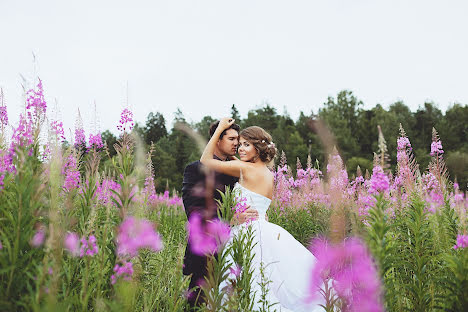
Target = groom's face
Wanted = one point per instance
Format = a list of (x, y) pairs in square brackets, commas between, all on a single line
[(228, 144)]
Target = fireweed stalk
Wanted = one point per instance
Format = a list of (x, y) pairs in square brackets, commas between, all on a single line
[(20, 202), (124, 164)]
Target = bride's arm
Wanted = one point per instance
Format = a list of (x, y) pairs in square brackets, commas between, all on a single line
[(233, 167)]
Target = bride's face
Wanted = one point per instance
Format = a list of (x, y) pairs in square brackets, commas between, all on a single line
[(247, 151)]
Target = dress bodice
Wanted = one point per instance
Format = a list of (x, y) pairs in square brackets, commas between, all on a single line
[(255, 200)]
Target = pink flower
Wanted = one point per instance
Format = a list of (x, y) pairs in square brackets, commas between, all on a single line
[(72, 244), (88, 246), (3, 116), (105, 190), (436, 148), (95, 141), (38, 238), (235, 270), (241, 205), (126, 121), (352, 272), (462, 242), (206, 239), (71, 173), (36, 105), (57, 129), (379, 181), (135, 234), (124, 271)]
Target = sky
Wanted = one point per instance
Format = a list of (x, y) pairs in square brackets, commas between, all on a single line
[(202, 56)]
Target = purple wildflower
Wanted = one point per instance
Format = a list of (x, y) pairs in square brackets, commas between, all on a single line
[(105, 190), (71, 173), (436, 148), (36, 105), (124, 271), (3, 116), (208, 238), (135, 234), (235, 270), (38, 238), (352, 272), (72, 244), (462, 242), (126, 121), (2, 178), (88, 246), (95, 141), (57, 128), (241, 205), (379, 181)]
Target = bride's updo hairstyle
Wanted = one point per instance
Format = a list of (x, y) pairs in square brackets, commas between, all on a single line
[(262, 142)]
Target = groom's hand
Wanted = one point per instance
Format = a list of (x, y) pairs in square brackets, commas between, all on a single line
[(247, 215)]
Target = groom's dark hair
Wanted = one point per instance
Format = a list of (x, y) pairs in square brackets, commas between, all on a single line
[(215, 124)]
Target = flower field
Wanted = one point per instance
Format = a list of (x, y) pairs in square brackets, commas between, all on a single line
[(77, 234)]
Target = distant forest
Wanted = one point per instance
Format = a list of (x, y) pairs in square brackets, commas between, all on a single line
[(354, 128)]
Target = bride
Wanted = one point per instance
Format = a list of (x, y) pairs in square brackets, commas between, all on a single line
[(287, 263)]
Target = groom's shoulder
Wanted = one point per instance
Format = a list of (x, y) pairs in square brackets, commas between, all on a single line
[(193, 167), (195, 164)]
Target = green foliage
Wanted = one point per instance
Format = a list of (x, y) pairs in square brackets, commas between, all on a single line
[(457, 163), (241, 298), (354, 162), (303, 223), (226, 204), (21, 206), (380, 243)]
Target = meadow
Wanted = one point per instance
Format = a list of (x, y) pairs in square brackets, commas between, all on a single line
[(77, 234)]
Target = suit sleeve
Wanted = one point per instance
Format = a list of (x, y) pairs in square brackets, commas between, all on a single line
[(192, 179)]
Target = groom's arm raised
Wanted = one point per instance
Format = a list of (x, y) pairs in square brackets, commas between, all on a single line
[(232, 168)]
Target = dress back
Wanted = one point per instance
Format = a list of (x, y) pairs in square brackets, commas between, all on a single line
[(255, 200)]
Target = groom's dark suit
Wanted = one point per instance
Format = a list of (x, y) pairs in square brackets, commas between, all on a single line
[(193, 196)]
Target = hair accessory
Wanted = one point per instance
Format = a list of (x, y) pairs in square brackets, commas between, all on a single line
[(263, 141), (271, 144)]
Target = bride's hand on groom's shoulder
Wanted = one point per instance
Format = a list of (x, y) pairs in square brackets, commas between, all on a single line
[(225, 123)]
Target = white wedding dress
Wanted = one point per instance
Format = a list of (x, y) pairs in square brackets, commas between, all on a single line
[(287, 263)]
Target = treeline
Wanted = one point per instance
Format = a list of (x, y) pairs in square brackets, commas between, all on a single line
[(354, 128)]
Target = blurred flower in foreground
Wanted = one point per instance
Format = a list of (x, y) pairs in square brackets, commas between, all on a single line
[(209, 238), (135, 234), (72, 244), (462, 242), (352, 272), (38, 238)]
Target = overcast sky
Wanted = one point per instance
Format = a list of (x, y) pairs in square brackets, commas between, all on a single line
[(203, 56)]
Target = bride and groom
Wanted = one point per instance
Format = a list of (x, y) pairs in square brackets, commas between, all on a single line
[(286, 262)]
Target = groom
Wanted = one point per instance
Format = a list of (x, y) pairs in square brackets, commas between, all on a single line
[(194, 188)]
